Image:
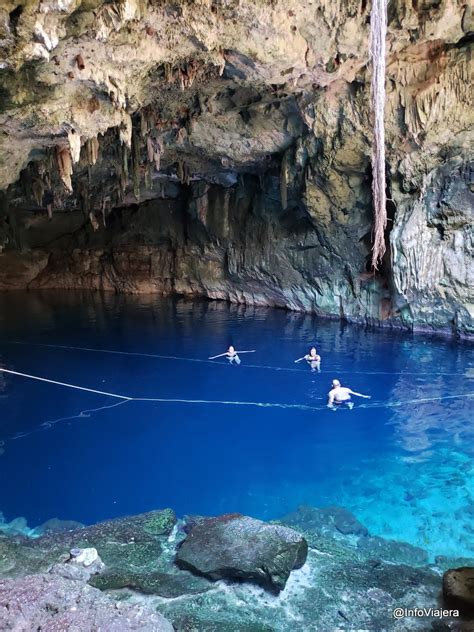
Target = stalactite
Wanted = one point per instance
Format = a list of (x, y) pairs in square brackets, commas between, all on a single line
[(65, 166), (125, 130), (378, 33), (221, 64), (136, 165), (104, 207), (202, 204), (182, 133), (92, 149), (93, 221), (143, 124), (75, 145), (125, 161), (284, 182), (183, 172), (154, 151)]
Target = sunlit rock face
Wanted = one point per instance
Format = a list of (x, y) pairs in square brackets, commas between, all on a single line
[(222, 149)]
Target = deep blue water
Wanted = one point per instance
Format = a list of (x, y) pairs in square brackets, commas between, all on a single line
[(401, 462)]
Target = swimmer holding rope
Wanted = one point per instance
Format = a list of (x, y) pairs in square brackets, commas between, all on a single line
[(313, 359), (231, 354), (339, 395)]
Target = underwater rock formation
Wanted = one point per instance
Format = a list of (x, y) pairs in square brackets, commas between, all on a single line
[(62, 600), (239, 547), (252, 121), (341, 585)]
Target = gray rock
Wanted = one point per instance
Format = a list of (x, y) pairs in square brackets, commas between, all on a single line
[(59, 601), (325, 520), (238, 547), (458, 590), (400, 552), (57, 526)]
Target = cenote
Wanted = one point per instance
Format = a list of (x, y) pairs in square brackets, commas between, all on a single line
[(256, 438), (185, 178)]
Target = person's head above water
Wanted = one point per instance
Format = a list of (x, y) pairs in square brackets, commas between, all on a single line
[(336, 383), (231, 349), (313, 351)]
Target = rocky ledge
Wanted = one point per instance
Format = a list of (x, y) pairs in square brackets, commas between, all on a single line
[(316, 569)]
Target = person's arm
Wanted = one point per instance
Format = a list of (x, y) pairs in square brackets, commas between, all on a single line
[(218, 356), (299, 359), (331, 400), (253, 351), (360, 394)]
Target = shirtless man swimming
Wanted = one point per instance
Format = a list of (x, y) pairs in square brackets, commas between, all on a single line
[(339, 395)]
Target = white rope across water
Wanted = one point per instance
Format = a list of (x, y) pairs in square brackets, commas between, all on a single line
[(79, 388), (202, 361), (175, 400)]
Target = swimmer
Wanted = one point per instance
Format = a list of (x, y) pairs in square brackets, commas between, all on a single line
[(313, 359), (231, 354), (339, 395)]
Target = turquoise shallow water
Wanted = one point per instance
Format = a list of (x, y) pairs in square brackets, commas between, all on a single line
[(255, 438)]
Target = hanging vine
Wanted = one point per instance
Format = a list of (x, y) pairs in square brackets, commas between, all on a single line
[(378, 33)]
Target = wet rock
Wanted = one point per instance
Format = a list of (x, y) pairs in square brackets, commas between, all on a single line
[(56, 526), (239, 547), (325, 520), (17, 526), (88, 559), (137, 529), (129, 543), (152, 582), (333, 591), (61, 600), (458, 590), (400, 552)]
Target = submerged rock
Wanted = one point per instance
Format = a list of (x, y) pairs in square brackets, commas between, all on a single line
[(400, 552), (238, 547), (151, 582), (326, 520), (57, 526), (458, 590), (129, 543), (323, 525), (62, 600)]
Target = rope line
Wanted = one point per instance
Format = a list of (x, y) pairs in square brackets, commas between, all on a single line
[(79, 388), (199, 360), (174, 400), (124, 399)]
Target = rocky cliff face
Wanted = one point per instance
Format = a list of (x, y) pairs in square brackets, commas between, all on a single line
[(222, 148)]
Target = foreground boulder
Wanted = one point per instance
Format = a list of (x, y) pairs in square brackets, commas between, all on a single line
[(238, 547), (458, 590), (62, 600)]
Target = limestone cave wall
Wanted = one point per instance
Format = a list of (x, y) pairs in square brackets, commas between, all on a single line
[(222, 149)]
